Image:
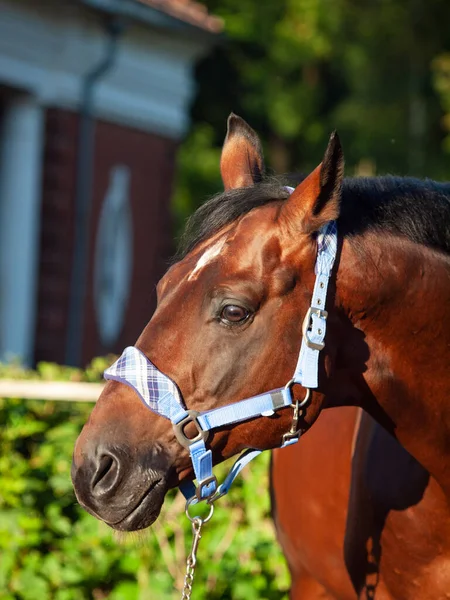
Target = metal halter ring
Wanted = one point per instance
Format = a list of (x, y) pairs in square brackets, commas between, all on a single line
[(194, 500), (294, 432), (290, 384)]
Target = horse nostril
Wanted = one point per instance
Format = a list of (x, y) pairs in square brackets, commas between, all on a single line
[(105, 464), (106, 475)]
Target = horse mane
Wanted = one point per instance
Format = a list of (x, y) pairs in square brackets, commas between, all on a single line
[(413, 208)]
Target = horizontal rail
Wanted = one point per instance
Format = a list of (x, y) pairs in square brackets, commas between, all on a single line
[(66, 391)]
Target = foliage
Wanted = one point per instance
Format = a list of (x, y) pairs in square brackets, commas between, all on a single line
[(51, 549), (297, 69), (441, 70)]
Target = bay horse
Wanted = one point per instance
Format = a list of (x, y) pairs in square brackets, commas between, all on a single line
[(362, 502)]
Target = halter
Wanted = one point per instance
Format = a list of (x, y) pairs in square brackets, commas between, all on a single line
[(161, 394)]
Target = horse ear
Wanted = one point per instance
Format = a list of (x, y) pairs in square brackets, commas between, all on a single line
[(316, 200), (242, 161)]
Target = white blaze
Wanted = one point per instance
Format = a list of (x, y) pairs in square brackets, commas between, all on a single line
[(207, 257)]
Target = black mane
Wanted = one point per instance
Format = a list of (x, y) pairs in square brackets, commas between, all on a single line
[(416, 209)]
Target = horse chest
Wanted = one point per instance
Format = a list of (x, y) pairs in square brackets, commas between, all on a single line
[(368, 518), (398, 518)]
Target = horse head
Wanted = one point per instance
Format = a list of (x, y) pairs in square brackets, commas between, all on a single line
[(228, 326)]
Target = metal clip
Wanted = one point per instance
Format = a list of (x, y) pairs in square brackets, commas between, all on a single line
[(294, 432), (196, 530)]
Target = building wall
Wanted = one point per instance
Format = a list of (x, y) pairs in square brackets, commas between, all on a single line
[(47, 49), (57, 234), (148, 159)]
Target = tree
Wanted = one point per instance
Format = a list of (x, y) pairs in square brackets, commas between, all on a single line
[(297, 69)]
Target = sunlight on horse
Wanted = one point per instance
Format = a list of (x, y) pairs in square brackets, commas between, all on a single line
[(361, 503)]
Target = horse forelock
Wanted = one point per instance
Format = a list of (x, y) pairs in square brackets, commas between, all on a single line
[(225, 208)]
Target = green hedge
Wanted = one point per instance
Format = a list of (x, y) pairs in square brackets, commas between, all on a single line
[(51, 549)]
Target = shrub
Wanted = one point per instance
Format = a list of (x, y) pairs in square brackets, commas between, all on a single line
[(51, 549)]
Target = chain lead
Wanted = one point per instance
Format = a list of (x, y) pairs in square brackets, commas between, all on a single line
[(191, 562)]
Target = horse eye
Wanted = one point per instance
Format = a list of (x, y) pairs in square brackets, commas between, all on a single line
[(231, 313)]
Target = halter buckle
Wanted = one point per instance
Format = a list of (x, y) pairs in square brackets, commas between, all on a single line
[(204, 483), (191, 417), (307, 324)]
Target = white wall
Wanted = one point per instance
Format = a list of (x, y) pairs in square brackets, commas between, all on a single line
[(20, 185), (46, 49)]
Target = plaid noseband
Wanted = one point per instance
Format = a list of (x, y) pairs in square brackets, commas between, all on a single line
[(154, 388)]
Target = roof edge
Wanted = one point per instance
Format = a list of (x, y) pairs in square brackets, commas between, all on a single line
[(140, 10)]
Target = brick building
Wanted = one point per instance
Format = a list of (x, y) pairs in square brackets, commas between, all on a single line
[(94, 98)]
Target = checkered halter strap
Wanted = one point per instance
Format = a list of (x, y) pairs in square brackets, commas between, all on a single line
[(155, 389), (162, 396)]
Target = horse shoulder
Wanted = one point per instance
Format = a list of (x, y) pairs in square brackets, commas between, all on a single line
[(398, 523)]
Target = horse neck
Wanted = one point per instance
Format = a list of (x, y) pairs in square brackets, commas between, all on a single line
[(395, 298)]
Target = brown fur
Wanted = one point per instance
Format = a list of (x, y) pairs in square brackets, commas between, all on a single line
[(386, 352)]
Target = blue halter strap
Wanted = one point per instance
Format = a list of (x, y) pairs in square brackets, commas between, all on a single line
[(161, 394)]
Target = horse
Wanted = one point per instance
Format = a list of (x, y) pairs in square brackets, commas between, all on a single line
[(374, 521), (361, 503)]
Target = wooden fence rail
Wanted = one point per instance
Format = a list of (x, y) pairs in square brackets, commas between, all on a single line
[(68, 391)]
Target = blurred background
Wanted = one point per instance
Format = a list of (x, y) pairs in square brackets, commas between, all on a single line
[(112, 117)]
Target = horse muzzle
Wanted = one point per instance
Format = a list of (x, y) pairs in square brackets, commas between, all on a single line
[(123, 489)]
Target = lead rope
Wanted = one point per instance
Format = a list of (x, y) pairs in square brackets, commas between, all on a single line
[(198, 522), (191, 563)]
